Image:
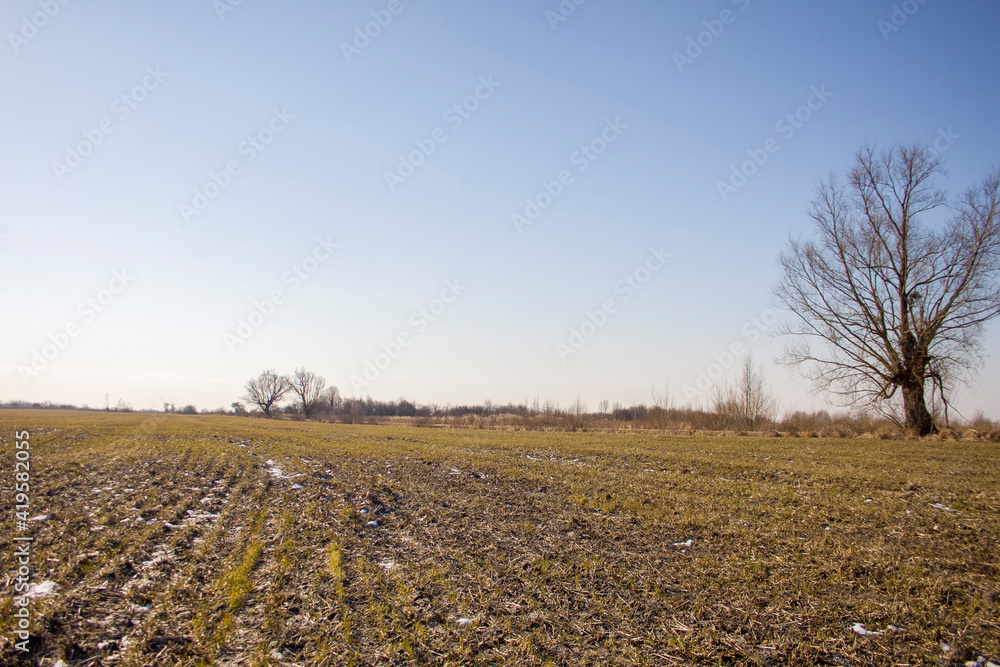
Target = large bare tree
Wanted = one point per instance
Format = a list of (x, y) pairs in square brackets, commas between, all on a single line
[(308, 386), (267, 389), (890, 297)]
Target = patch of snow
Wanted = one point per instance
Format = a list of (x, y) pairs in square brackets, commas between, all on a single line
[(277, 655), (372, 524), (387, 565), (688, 543), (42, 590), (859, 628), (40, 517), (296, 486), (532, 458), (462, 622), (195, 516), (159, 556), (868, 500), (207, 499), (939, 506)]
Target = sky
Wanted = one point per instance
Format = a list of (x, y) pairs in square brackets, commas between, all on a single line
[(446, 201)]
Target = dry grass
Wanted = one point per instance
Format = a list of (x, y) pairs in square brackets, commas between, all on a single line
[(499, 547)]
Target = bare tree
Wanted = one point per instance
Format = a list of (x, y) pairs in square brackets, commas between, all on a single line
[(748, 403), (267, 389), (662, 401), (331, 400), (724, 406), (895, 304), (662, 404), (308, 386), (755, 404)]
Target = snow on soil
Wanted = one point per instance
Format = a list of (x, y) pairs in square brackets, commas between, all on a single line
[(942, 507), (42, 590)]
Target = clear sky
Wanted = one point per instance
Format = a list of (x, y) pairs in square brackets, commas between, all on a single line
[(168, 170)]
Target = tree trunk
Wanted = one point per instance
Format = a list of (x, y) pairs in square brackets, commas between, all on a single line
[(915, 409)]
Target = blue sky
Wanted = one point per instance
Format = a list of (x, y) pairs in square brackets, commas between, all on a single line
[(164, 97)]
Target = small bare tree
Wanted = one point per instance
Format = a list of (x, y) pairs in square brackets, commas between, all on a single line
[(267, 389), (748, 403), (893, 303), (662, 404), (755, 405), (308, 386)]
